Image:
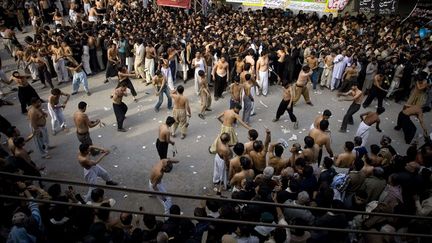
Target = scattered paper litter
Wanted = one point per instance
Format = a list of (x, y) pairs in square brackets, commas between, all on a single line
[(99, 136), (130, 128), (304, 129), (107, 108), (262, 103), (197, 141), (300, 132), (154, 143), (188, 156), (386, 118), (144, 147), (154, 118), (285, 131), (204, 187), (160, 121), (293, 137), (319, 112), (192, 166), (339, 120), (199, 136), (125, 196), (260, 119), (115, 166), (194, 172), (114, 125), (285, 120), (128, 158), (281, 126)]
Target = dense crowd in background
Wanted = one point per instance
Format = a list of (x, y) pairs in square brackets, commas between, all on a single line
[(384, 57)]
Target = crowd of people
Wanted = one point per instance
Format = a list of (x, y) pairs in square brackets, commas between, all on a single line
[(241, 53)]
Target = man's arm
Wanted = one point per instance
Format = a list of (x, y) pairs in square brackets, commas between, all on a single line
[(67, 98), (270, 150), (220, 116), (267, 140), (328, 148), (188, 109), (242, 122), (421, 120)]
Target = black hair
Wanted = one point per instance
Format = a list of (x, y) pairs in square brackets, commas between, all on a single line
[(257, 145), (328, 162), (324, 124), (374, 149), (82, 105), (327, 113), (97, 194), (358, 164), (238, 149), (84, 147), (309, 142), (245, 162), (170, 120), (180, 89), (349, 145), (253, 134), (278, 150), (174, 209), (358, 140)]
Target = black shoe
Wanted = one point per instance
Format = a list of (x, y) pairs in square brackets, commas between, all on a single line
[(106, 81), (121, 130), (342, 130), (201, 116), (111, 183), (397, 128), (207, 109)]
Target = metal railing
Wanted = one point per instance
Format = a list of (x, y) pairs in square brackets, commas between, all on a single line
[(187, 196)]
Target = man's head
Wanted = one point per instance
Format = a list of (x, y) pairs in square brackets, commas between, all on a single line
[(238, 149), (354, 86), (358, 140), (324, 124), (258, 146), (97, 195), (327, 114), (180, 89), (328, 162), (201, 73), (385, 140), (225, 138), (278, 150), (349, 146), (12, 132), (306, 68), (84, 148), (248, 77), (237, 108), (358, 164), (170, 121), (252, 134), (82, 106), (245, 163), (36, 102), (55, 92), (380, 110), (309, 142), (19, 142)]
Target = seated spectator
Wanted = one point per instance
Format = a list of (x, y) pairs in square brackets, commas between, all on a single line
[(295, 213)]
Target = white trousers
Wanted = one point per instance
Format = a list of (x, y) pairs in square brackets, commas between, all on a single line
[(262, 82), (61, 71), (363, 132), (166, 201), (57, 118), (219, 171), (91, 175), (149, 65)]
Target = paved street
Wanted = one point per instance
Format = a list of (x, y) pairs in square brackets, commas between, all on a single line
[(133, 153)]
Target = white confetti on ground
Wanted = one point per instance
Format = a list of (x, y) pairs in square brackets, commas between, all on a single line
[(195, 172), (386, 118), (154, 143), (130, 128), (125, 196), (285, 131), (144, 147), (199, 136), (154, 118), (293, 137), (339, 120), (99, 136), (115, 166), (197, 141), (192, 166), (300, 132), (204, 188), (282, 126), (107, 109), (188, 156), (160, 121), (114, 125), (260, 119), (304, 129), (128, 158)]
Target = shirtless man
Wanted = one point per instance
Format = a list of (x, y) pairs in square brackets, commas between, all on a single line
[(248, 70), (239, 64), (346, 159), (29, 168), (25, 91), (161, 87), (248, 98), (93, 15), (356, 96), (368, 119), (301, 85), (296, 152), (252, 136), (78, 77), (312, 62), (83, 124), (404, 122), (310, 150), (236, 91), (119, 107), (326, 76), (286, 104), (249, 59), (348, 77), (262, 73), (92, 169), (227, 118), (12, 133), (234, 164), (55, 110), (155, 182), (324, 116), (322, 138), (37, 119), (181, 111), (205, 96), (220, 76), (276, 160), (221, 161), (164, 137), (245, 173), (259, 152), (149, 62), (113, 60)]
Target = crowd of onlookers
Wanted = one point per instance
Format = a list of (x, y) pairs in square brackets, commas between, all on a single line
[(379, 179)]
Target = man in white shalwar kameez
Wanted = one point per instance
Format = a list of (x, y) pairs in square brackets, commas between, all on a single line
[(55, 109), (338, 70)]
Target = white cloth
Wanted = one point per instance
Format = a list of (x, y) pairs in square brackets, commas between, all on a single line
[(61, 71), (219, 170), (57, 118), (92, 18), (166, 201), (87, 8), (149, 65), (263, 82), (91, 175), (363, 132), (166, 72), (340, 62), (86, 59), (201, 66)]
